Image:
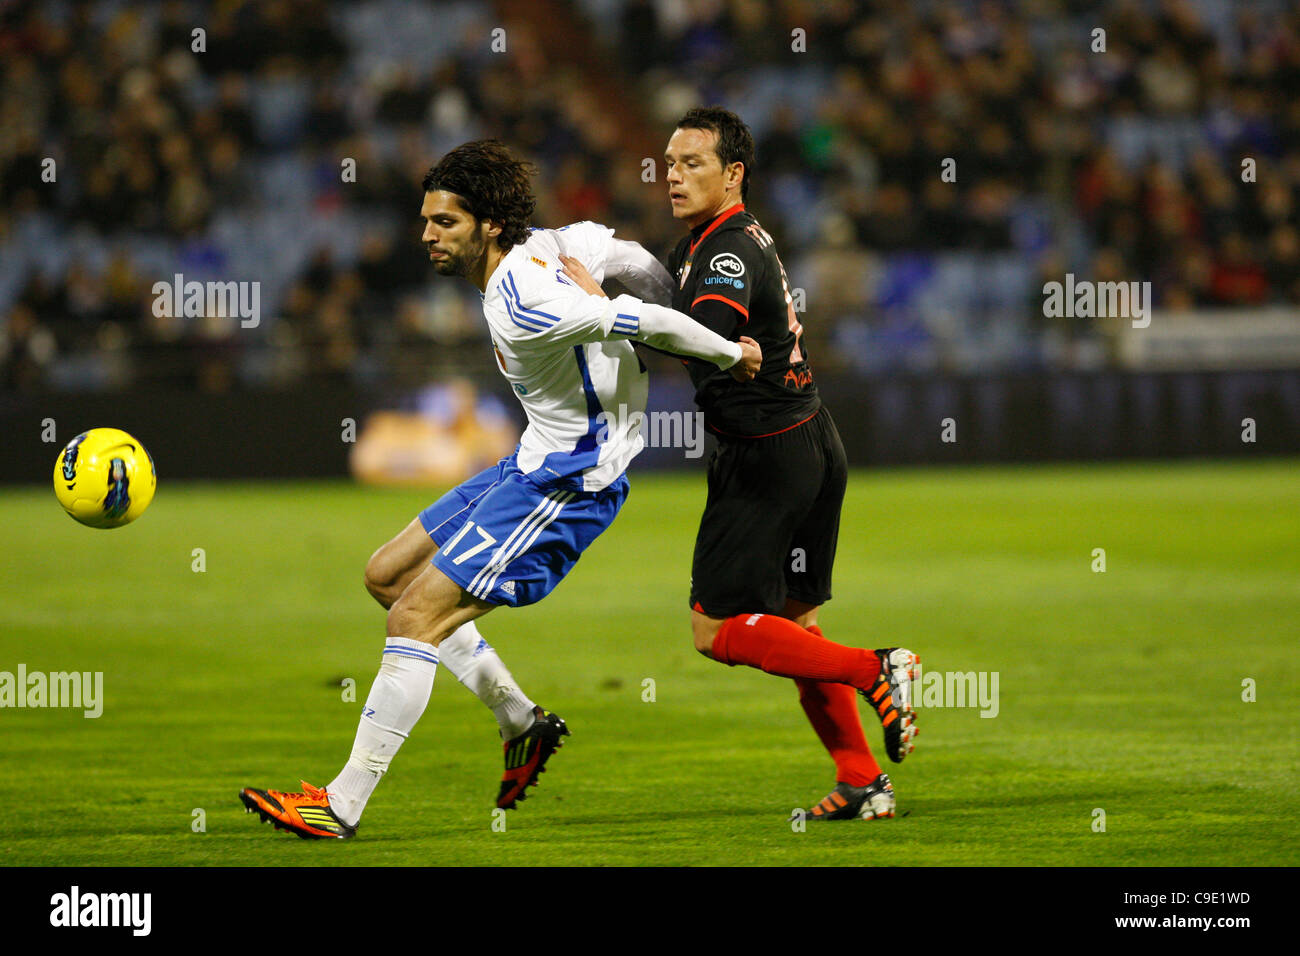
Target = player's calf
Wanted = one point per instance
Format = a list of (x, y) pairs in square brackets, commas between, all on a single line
[(432, 607), (781, 647)]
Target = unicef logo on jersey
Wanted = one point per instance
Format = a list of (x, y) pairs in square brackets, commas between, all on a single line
[(728, 265)]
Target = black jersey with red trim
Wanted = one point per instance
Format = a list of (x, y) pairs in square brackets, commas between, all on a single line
[(730, 279)]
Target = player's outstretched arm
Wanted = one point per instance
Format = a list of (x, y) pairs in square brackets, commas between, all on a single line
[(675, 332)]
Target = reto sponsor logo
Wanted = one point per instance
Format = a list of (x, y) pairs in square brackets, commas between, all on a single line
[(727, 264)]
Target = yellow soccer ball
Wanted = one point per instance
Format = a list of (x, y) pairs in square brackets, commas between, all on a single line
[(104, 478)]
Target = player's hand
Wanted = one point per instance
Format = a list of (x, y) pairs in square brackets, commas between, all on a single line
[(751, 360), (576, 271)]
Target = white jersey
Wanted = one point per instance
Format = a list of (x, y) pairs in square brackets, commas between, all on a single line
[(567, 356)]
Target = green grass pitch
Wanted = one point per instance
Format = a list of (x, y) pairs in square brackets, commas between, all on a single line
[(1119, 691)]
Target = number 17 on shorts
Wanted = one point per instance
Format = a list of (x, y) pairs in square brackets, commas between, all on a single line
[(506, 541)]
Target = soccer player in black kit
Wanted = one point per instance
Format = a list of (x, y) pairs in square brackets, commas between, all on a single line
[(766, 543)]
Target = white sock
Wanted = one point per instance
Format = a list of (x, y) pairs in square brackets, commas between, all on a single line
[(397, 699), (477, 665)]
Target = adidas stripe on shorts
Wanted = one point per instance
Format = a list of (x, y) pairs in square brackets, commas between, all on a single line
[(507, 540)]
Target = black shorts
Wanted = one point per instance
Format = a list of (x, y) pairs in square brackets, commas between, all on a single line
[(771, 521)]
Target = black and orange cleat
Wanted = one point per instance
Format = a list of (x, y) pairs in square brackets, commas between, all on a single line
[(307, 813), (872, 802), (891, 696), (526, 757)]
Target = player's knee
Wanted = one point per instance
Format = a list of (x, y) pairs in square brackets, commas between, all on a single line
[(702, 633), (380, 580)]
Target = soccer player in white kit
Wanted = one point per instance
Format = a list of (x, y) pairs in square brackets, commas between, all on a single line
[(508, 535)]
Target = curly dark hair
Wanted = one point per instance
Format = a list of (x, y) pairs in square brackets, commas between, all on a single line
[(735, 142), (491, 184)]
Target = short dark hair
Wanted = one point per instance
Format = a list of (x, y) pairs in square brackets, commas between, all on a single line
[(735, 142), (491, 184)]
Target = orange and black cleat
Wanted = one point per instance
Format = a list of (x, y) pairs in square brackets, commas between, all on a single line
[(526, 757), (875, 801), (307, 814), (891, 696)]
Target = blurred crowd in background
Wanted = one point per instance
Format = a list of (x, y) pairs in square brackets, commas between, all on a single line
[(232, 163)]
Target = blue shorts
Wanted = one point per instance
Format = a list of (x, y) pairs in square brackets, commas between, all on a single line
[(509, 541)]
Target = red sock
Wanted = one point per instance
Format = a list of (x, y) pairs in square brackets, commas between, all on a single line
[(832, 709), (781, 647)]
